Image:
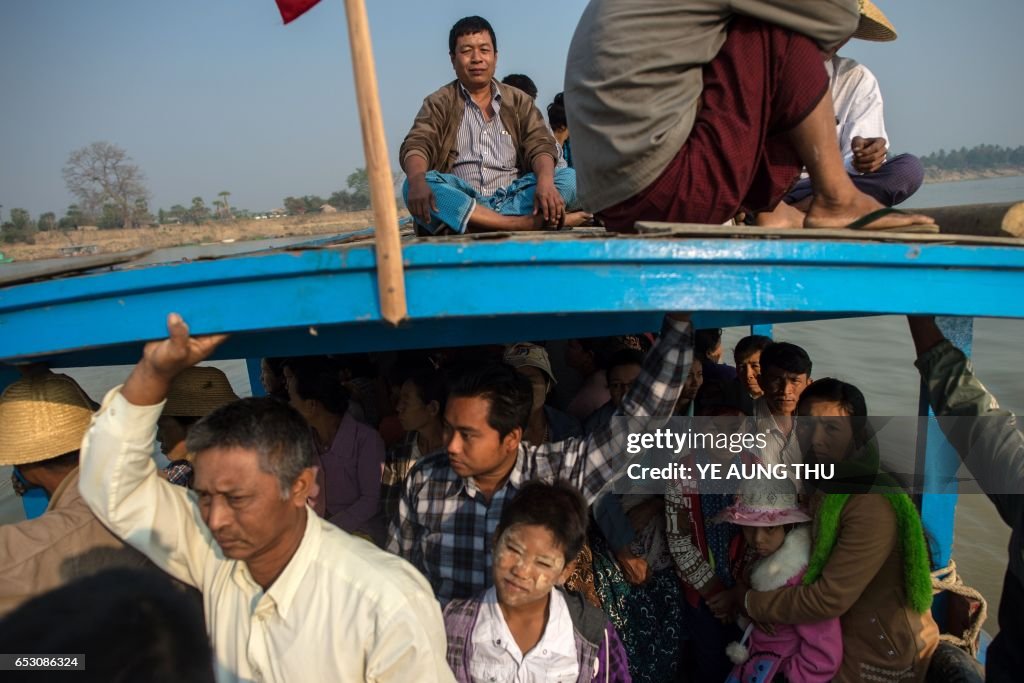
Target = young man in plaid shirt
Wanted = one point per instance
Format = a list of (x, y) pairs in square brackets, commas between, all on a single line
[(453, 500)]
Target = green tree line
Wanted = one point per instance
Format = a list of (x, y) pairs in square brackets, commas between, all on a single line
[(978, 158)]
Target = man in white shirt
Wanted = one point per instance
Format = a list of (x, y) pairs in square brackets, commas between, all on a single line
[(287, 596), (785, 373), (860, 125)]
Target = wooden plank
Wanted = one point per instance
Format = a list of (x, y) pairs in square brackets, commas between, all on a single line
[(656, 229), (1004, 219), (26, 271)]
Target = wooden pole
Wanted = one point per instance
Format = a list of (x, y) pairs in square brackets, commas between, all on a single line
[(390, 278), (988, 220)]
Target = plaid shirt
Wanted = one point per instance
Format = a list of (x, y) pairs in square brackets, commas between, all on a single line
[(445, 525)]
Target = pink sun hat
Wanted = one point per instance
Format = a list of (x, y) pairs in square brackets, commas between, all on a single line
[(765, 503)]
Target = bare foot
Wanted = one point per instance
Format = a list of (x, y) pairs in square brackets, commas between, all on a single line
[(825, 213), (782, 216), (575, 219)]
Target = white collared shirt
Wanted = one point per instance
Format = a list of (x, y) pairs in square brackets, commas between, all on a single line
[(341, 610), (498, 659), (857, 100), (782, 448)]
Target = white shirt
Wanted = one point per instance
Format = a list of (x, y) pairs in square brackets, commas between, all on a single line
[(858, 104), (782, 448), (497, 658), (341, 610)]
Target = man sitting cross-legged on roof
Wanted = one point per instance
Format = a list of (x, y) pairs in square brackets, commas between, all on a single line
[(453, 500), (860, 125), (479, 157), (287, 596), (693, 111)]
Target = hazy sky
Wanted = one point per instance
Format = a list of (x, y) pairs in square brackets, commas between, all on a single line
[(211, 95)]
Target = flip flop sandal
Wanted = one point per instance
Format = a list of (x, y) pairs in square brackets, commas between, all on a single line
[(865, 221)]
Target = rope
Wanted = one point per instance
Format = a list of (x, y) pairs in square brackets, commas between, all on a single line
[(946, 579)]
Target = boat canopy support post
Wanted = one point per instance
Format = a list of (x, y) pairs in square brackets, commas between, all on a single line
[(939, 463), (255, 370)]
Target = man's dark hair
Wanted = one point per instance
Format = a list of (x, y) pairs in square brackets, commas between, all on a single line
[(277, 433), (748, 346), (467, 26), (849, 398), (625, 357), (431, 385), (131, 624), (509, 392), (318, 378), (557, 507), (523, 82), (787, 357), (556, 113), (706, 340)]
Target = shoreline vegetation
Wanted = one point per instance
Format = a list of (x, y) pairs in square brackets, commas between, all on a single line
[(938, 175), (49, 244)]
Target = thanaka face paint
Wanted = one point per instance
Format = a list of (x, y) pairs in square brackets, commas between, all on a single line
[(528, 563)]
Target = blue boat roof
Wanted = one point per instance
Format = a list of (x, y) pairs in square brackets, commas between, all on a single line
[(320, 296)]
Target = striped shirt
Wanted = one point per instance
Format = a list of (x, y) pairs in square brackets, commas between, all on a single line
[(445, 525), (486, 156)]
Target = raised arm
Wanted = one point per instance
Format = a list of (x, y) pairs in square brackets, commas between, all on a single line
[(119, 479), (986, 436), (593, 461)]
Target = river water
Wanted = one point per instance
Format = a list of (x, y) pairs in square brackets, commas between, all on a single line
[(876, 354)]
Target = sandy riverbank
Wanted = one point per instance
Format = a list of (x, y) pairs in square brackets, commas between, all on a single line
[(932, 175), (49, 244)]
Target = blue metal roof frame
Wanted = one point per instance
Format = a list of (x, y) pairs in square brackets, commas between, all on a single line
[(468, 291)]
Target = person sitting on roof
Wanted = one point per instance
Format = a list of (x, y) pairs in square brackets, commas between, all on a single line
[(195, 393), (43, 418), (560, 127), (860, 125), (692, 112), (288, 596), (479, 156)]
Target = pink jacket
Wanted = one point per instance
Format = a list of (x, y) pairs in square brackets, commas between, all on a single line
[(810, 653)]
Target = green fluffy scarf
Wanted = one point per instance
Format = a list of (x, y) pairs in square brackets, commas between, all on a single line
[(916, 564)]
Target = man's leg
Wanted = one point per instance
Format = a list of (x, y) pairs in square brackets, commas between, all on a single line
[(837, 201), (511, 208), (894, 182), (455, 200)]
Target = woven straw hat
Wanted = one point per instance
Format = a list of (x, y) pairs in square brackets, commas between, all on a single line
[(42, 417), (197, 392), (873, 24)]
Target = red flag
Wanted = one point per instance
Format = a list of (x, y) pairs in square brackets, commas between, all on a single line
[(293, 9)]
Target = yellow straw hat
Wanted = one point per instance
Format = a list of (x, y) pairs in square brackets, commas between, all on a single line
[(42, 417), (197, 392), (873, 24)]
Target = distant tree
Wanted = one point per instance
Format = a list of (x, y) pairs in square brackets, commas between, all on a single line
[(20, 228), (359, 187), (47, 221), (223, 204), (177, 214), (103, 173), (72, 218), (112, 217), (294, 205), (198, 212)]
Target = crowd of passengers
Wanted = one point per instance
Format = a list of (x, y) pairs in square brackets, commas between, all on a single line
[(425, 515), (450, 515)]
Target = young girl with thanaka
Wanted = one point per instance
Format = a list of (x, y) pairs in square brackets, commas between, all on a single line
[(526, 628), (774, 528)]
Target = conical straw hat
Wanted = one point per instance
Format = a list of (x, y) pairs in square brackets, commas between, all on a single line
[(873, 24), (197, 392), (42, 417)]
